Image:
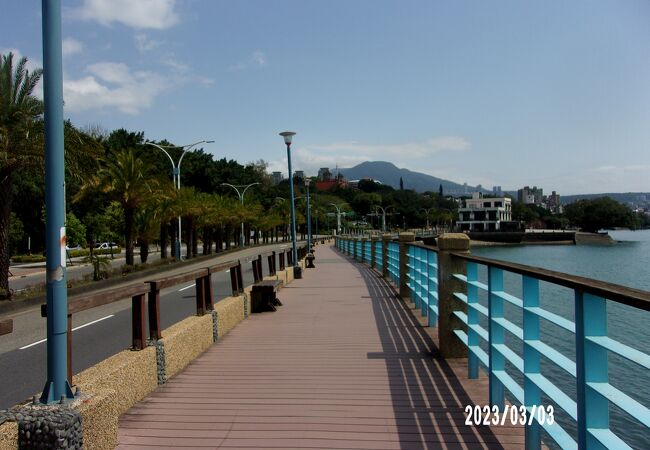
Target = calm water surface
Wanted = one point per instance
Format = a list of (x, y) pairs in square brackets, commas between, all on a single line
[(627, 262)]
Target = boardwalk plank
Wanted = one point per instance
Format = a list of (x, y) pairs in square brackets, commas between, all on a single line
[(343, 364)]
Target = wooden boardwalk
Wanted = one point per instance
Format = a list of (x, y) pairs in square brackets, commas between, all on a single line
[(343, 364)]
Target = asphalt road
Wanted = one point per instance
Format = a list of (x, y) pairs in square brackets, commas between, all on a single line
[(97, 333)]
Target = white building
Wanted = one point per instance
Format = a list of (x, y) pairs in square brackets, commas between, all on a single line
[(484, 214)]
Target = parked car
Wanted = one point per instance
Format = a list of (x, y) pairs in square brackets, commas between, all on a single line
[(76, 247), (105, 245)]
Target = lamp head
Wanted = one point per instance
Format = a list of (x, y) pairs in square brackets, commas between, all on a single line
[(287, 135), (307, 182)]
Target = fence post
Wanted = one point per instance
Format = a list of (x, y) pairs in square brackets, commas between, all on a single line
[(449, 344), (385, 239), (373, 250), (153, 305), (404, 239), (363, 249)]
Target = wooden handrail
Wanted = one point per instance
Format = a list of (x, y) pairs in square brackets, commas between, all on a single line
[(621, 294)]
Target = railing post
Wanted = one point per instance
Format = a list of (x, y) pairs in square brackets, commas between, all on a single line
[(373, 250), (496, 334), (154, 311), (363, 249), (450, 345), (240, 278), (532, 394), (404, 239), (208, 292), (591, 367), (199, 289), (234, 281), (138, 322), (385, 239)]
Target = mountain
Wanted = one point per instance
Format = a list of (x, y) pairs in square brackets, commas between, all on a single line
[(389, 174)]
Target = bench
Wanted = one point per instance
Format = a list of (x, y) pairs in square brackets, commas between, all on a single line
[(263, 296)]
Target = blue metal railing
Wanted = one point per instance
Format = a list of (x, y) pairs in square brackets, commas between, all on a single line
[(393, 262), (423, 281), (519, 342), (493, 347), (357, 249), (379, 264), (367, 251)]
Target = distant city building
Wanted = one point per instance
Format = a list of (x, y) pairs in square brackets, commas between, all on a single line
[(496, 191), (553, 203), (530, 196), (484, 214), (465, 188), (299, 174), (324, 174), (276, 177), (479, 188)]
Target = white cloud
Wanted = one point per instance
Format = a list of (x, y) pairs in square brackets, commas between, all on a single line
[(144, 43), (154, 14), (71, 46), (256, 60), (113, 86), (347, 154)]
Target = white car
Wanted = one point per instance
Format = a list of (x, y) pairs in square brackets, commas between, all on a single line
[(105, 245)]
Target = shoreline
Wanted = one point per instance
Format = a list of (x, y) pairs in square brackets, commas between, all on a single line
[(477, 243)]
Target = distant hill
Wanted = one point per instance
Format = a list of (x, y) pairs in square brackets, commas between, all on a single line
[(389, 174), (621, 197)]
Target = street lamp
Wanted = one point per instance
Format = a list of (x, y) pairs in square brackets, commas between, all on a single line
[(426, 211), (297, 272), (307, 182), (241, 198), (338, 218), (176, 177), (383, 216)]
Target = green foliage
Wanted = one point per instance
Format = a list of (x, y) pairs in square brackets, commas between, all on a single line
[(16, 233), (599, 213), (27, 258), (75, 230)]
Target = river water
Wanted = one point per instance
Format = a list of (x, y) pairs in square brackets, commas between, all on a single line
[(627, 262)]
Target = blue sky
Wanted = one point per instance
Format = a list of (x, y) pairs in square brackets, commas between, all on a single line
[(512, 93)]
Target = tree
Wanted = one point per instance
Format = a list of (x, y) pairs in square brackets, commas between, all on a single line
[(440, 190), (20, 142), (596, 214), (401, 184), (75, 230), (124, 180)]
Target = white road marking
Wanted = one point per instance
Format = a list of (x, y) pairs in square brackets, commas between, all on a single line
[(74, 329), (187, 287)]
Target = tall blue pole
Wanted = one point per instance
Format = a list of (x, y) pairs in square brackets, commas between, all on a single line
[(57, 385), (294, 252), (308, 221)]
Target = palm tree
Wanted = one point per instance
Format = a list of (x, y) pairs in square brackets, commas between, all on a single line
[(123, 179), (20, 142)]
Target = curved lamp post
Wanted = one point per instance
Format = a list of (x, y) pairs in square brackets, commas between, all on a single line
[(241, 198), (176, 176), (338, 218), (307, 182), (297, 272), (426, 211), (383, 216)]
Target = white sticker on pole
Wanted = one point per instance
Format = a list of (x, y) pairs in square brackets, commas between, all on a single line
[(62, 243)]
